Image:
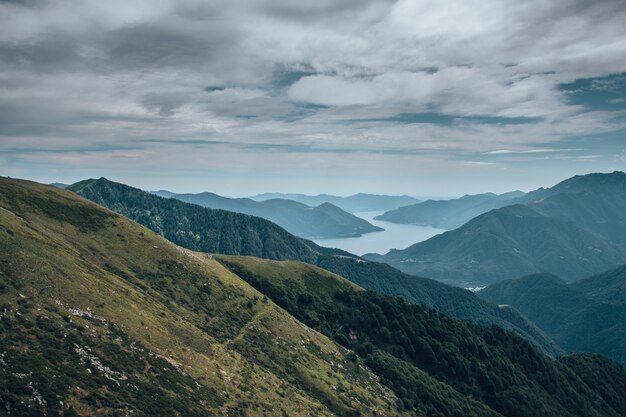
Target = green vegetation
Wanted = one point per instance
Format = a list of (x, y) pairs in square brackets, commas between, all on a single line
[(115, 320), (575, 229), (194, 227), (178, 221), (505, 243), (585, 316), (410, 347)]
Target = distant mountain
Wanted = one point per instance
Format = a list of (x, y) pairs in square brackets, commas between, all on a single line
[(59, 185), (609, 286), (574, 229), (449, 214), (323, 221), (163, 193), (594, 201), (355, 203), (217, 231), (585, 316)]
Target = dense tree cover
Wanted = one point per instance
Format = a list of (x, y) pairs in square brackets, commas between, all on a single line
[(453, 301), (203, 229), (485, 363), (586, 316), (194, 227)]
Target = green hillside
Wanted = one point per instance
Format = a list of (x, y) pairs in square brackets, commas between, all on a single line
[(401, 342), (208, 230), (575, 229), (609, 286), (194, 227), (506, 243), (586, 316), (100, 316)]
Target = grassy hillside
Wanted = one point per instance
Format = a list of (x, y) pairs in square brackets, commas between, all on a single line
[(194, 227), (588, 316), (407, 344), (100, 316), (203, 229)]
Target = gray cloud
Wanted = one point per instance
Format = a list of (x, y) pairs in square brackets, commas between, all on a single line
[(329, 77)]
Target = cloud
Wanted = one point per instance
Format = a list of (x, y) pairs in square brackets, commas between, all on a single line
[(359, 82)]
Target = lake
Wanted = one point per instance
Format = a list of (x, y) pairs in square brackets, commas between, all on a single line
[(395, 236)]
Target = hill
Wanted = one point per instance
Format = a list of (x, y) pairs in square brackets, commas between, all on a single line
[(353, 204), (100, 316), (449, 214), (323, 221), (584, 316), (405, 343), (194, 227), (609, 286), (573, 230), (207, 230)]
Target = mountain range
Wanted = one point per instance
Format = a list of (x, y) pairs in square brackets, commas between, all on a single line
[(102, 316), (322, 221), (575, 229), (354, 204), (218, 231), (449, 214), (587, 315)]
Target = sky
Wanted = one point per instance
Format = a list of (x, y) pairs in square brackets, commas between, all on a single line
[(240, 97)]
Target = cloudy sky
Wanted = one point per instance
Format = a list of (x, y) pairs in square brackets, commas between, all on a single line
[(238, 97)]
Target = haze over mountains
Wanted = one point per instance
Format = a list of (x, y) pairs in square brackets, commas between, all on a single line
[(575, 229), (101, 315), (322, 221), (449, 214), (355, 203)]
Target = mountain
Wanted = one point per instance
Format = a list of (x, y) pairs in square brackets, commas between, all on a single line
[(585, 316), (217, 231), (323, 221), (59, 185), (449, 214), (573, 230), (354, 204), (609, 286), (194, 227), (594, 201), (163, 193), (100, 316), (406, 344)]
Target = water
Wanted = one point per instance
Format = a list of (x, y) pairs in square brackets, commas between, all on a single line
[(395, 236)]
